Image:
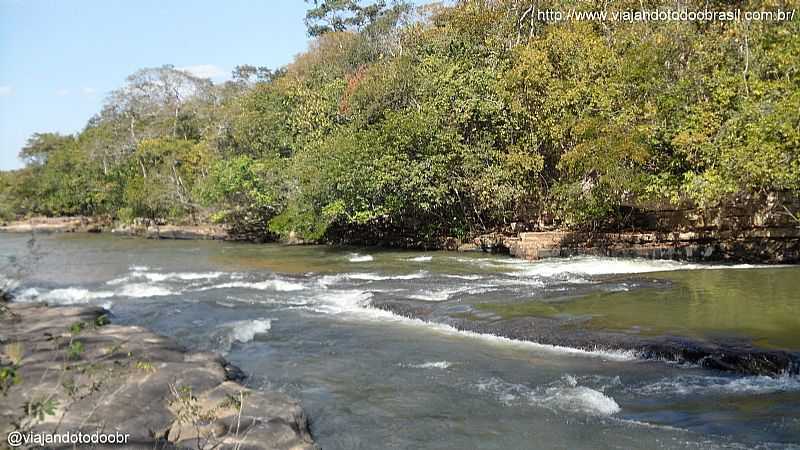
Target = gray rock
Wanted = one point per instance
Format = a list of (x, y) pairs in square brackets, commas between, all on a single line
[(125, 379)]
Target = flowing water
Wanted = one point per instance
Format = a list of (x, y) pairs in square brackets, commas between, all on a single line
[(297, 319)]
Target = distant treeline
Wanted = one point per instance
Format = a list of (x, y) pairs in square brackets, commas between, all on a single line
[(419, 123)]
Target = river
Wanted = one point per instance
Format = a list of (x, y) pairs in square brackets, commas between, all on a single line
[(298, 319)]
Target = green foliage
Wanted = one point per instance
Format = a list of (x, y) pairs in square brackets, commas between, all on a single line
[(247, 192), (8, 378), (145, 366), (326, 16), (40, 409), (126, 215), (75, 350), (406, 128), (102, 320), (76, 328)]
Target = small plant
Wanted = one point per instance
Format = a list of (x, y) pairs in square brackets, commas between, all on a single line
[(126, 215), (76, 328), (235, 402), (75, 350), (39, 409), (8, 377), (110, 350), (101, 320), (9, 373), (145, 366), (70, 387), (14, 352), (190, 411)]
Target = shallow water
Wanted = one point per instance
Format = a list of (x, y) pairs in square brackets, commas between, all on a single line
[(296, 319), (761, 305)]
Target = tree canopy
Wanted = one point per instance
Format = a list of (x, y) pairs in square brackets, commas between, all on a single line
[(405, 125)]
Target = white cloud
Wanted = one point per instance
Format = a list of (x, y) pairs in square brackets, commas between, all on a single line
[(88, 91), (5, 90), (62, 92), (205, 71)]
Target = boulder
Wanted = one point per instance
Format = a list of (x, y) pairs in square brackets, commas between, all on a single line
[(76, 372)]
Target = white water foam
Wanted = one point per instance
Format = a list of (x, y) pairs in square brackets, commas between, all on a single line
[(73, 296), (142, 290), (563, 395), (61, 296), (275, 285), (697, 384), (328, 280), (242, 331), (27, 295), (462, 277), (648, 425), (591, 265), (377, 277), (8, 284), (421, 258), (186, 276), (160, 277), (492, 262), (579, 399), (355, 303), (246, 330), (343, 301), (441, 295), (355, 257), (611, 355), (118, 281), (430, 365)]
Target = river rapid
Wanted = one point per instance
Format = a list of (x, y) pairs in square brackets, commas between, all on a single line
[(298, 319)]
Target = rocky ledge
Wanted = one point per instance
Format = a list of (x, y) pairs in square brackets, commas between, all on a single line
[(733, 356), (147, 228), (768, 245), (77, 224), (66, 369), (152, 230)]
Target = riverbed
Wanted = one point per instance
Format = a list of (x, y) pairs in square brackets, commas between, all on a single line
[(299, 319)]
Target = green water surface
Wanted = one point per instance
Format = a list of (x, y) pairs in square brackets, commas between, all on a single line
[(762, 305)]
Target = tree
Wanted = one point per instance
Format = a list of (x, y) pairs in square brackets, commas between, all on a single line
[(403, 127), (41, 145), (342, 15)]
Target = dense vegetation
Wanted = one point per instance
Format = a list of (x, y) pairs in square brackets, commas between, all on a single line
[(411, 124)]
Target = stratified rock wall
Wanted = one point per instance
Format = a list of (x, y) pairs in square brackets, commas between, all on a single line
[(753, 229)]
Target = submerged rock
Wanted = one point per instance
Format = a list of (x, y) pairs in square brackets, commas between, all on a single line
[(75, 372), (732, 356)]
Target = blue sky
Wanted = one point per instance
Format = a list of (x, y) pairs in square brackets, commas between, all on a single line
[(59, 59)]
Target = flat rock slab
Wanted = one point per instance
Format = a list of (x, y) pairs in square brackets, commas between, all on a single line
[(738, 357), (75, 372), (57, 225)]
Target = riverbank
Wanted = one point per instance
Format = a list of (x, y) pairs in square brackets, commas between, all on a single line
[(752, 229), (767, 245), (67, 369), (76, 224), (772, 239), (140, 228)]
